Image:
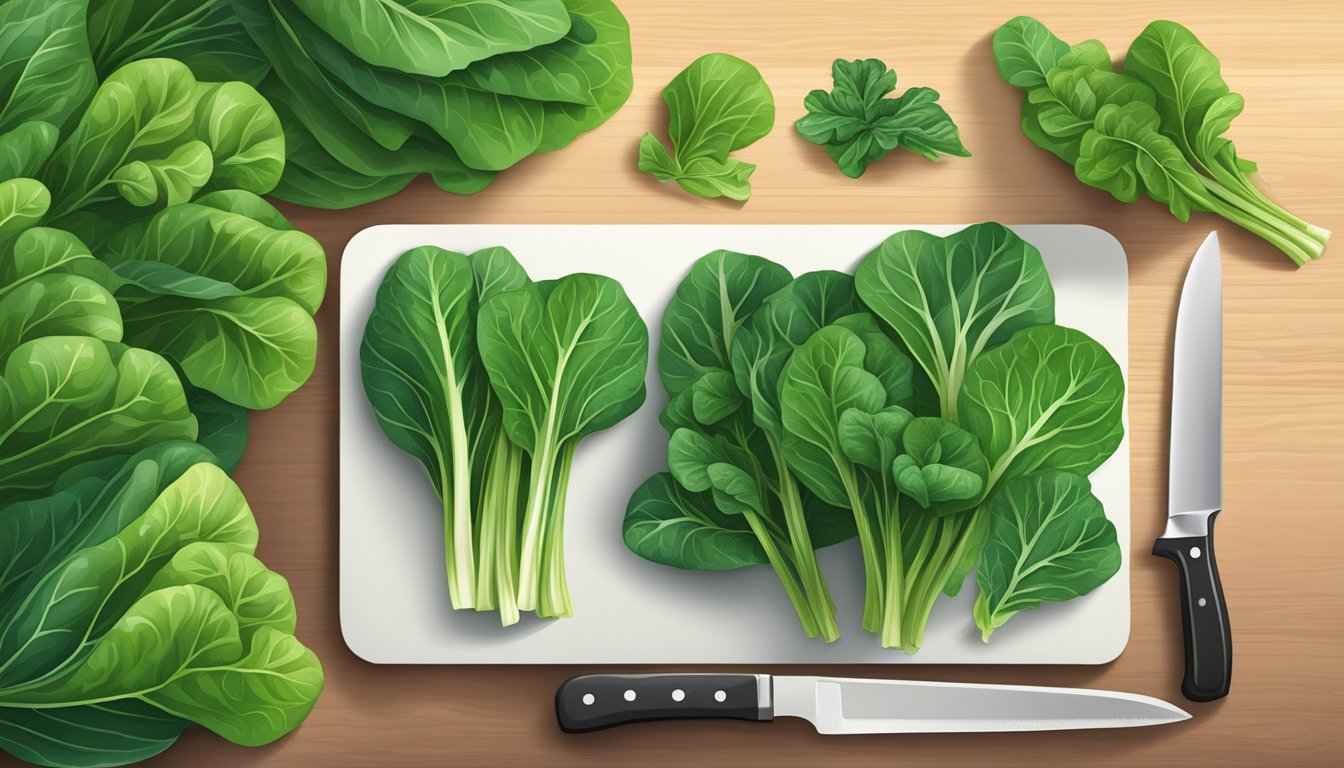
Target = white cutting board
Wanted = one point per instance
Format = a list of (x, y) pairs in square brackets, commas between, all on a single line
[(394, 596)]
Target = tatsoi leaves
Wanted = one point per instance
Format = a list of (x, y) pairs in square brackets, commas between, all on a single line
[(134, 607), (717, 105), (951, 299), (694, 343), (1155, 130), (1049, 540), (858, 126), (564, 365), (915, 404), (435, 37)]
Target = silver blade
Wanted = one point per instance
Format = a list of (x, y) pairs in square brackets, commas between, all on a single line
[(837, 705), (1195, 479)]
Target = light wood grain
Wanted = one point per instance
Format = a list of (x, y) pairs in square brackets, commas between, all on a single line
[(1279, 543)]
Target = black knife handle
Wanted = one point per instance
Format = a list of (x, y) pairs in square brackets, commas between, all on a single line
[(593, 702), (1208, 636)]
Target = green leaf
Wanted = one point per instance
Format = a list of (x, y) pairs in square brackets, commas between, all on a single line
[(56, 305), (567, 366), (1059, 114), (1194, 103), (786, 320), (1049, 540), (203, 34), (857, 126), (223, 428), (24, 149), (67, 399), (46, 70), (714, 397), (1025, 50), (1050, 398), (140, 140), (951, 299), (435, 37), (667, 524), (702, 323), (1125, 155), (873, 439), (23, 203), (716, 105), (228, 298), (941, 468), (824, 379), (114, 734)]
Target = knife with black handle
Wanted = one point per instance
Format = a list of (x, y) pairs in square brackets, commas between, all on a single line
[(1195, 482), (837, 705)]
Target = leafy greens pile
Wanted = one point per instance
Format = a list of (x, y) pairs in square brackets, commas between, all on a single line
[(715, 106), (929, 404), (373, 93), (491, 380), (148, 297), (858, 125), (1156, 128), (158, 175)]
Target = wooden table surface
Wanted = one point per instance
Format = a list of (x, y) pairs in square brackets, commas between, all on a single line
[(1279, 543)]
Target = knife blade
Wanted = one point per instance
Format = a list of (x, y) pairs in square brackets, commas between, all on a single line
[(837, 705), (1195, 478)]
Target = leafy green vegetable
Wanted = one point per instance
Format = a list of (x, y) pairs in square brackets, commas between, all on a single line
[(436, 37), (731, 500), (45, 69), (1049, 540), (1155, 130), (203, 34), (908, 405), (428, 387), (715, 106), (858, 126), (951, 299), (564, 365), (132, 607)]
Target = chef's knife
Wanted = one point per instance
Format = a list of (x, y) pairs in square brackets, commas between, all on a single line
[(1195, 480), (837, 705)]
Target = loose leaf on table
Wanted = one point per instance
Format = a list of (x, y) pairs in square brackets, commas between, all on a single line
[(951, 299), (1049, 540), (717, 105), (858, 126)]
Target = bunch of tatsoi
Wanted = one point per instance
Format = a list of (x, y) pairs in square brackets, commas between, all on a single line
[(491, 380), (929, 404), (1156, 128)]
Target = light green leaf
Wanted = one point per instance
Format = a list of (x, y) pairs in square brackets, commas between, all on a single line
[(717, 105), (951, 299), (435, 37), (24, 149), (23, 203), (1125, 155), (1049, 540), (1025, 50), (46, 70), (1051, 398)]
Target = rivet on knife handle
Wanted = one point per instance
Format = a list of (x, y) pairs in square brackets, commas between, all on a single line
[(593, 702), (1208, 636)]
